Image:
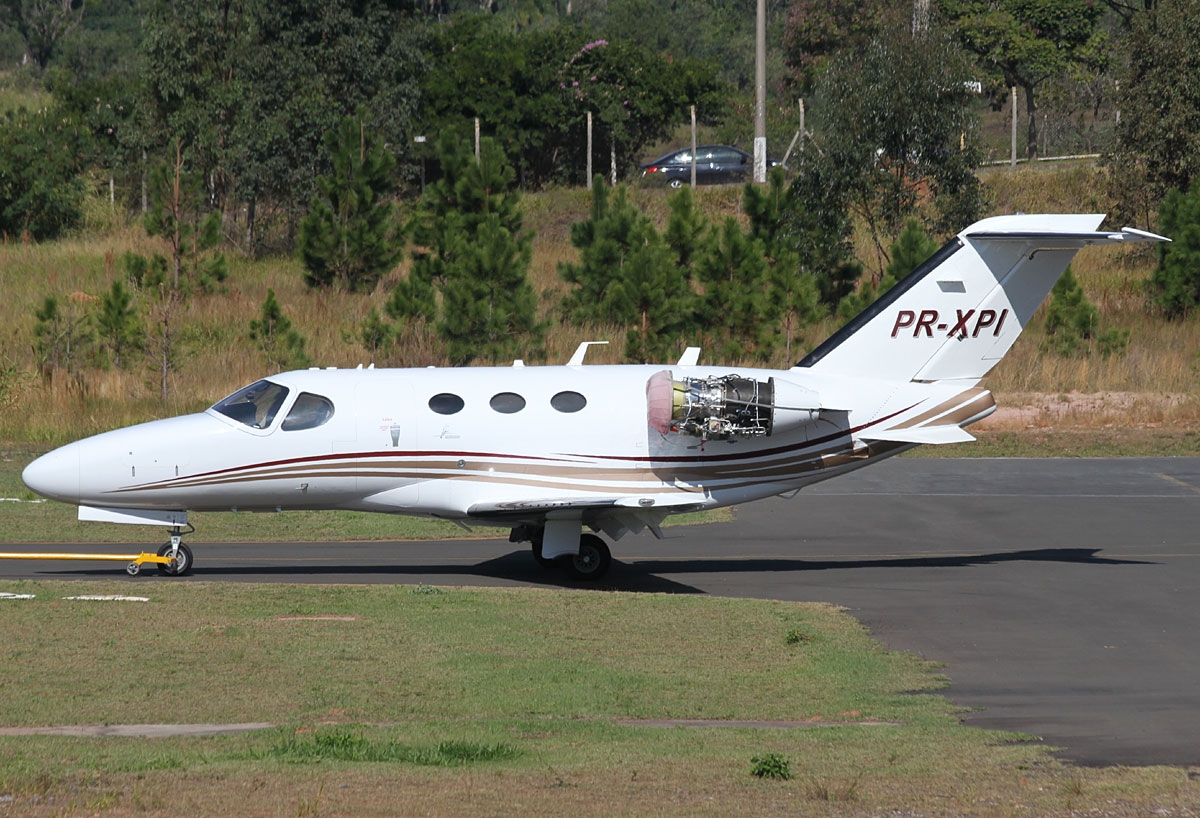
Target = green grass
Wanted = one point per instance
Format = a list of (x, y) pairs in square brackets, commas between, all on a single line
[(499, 702), (341, 744)]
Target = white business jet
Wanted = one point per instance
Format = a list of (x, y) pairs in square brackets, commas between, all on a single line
[(556, 451)]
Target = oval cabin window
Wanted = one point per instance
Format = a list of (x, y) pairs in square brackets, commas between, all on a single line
[(446, 403), (507, 403), (568, 401)]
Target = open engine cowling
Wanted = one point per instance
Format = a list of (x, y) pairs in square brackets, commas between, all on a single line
[(724, 406)]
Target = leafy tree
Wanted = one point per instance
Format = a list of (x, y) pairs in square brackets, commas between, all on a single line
[(1028, 42), (1158, 137), (1175, 284), (899, 134), (41, 24), (814, 225), (41, 158), (118, 324), (635, 97), (350, 237), (817, 30), (253, 88), (274, 334), (532, 93)]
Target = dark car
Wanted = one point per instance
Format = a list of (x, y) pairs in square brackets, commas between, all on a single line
[(715, 165)]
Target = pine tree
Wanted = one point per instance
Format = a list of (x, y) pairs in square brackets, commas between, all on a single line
[(62, 335), (472, 248), (118, 324), (179, 213), (791, 291), (376, 334), (627, 274), (489, 307), (736, 314), (909, 250), (350, 238), (275, 336), (1071, 319), (1175, 284), (686, 229)]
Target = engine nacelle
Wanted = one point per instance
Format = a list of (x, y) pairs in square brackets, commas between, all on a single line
[(725, 406)]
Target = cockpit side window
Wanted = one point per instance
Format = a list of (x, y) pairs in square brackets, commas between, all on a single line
[(256, 405), (308, 412)]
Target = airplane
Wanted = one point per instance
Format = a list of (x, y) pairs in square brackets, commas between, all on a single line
[(556, 453)]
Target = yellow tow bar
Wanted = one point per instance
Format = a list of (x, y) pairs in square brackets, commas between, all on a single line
[(135, 560)]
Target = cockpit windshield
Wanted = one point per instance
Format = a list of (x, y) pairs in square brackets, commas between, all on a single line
[(256, 405)]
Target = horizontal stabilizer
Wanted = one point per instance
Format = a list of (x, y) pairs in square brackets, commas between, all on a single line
[(1126, 235), (922, 434)]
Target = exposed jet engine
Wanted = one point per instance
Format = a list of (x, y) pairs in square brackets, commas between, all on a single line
[(723, 406)]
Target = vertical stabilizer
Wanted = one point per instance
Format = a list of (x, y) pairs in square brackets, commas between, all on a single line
[(959, 313)]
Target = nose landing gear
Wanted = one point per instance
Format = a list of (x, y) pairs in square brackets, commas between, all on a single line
[(178, 554)]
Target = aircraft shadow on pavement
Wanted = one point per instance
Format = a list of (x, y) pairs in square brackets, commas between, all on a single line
[(1081, 556), (643, 575)]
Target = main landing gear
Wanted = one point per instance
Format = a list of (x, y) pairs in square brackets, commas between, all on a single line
[(179, 555), (590, 563)]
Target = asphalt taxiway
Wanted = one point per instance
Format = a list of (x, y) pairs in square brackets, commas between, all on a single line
[(1060, 594)]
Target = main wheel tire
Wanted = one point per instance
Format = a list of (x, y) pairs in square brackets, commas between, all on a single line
[(179, 566), (537, 555), (593, 560)]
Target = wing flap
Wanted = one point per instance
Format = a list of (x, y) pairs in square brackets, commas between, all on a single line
[(681, 501)]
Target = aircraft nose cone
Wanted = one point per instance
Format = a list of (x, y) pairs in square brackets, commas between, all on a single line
[(56, 474)]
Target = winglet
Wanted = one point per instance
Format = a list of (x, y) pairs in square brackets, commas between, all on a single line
[(690, 357), (581, 350)]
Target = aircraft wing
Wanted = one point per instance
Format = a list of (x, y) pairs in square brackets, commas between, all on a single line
[(615, 516)]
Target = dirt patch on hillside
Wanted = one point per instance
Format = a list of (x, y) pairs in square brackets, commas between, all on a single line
[(1035, 410)]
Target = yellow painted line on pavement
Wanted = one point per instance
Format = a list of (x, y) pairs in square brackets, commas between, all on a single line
[(1178, 482)]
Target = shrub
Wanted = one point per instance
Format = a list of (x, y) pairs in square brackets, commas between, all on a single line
[(770, 765)]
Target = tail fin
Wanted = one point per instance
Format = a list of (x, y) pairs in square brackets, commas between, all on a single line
[(956, 315)]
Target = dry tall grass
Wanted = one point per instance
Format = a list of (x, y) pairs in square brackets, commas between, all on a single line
[(218, 357)]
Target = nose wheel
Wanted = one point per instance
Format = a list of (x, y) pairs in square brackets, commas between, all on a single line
[(180, 556)]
